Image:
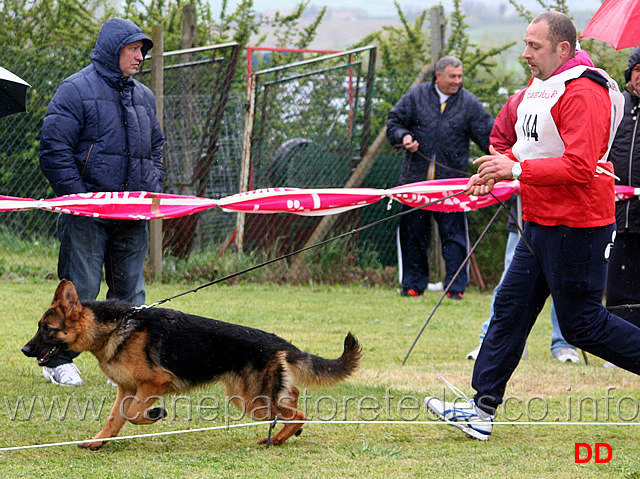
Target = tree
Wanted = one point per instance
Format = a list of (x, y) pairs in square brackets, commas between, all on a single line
[(51, 23)]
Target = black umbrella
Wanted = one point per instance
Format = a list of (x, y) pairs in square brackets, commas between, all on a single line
[(13, 93)]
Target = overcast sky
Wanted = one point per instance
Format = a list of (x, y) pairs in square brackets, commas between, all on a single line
[(386, 8)]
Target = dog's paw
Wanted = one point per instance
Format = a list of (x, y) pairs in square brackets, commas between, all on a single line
[(93, 446), (273, 442), (156, 413)]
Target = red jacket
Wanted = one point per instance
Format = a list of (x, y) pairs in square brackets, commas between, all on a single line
[(565, 190)]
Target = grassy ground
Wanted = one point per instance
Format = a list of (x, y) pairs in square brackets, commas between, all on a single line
[(316, 319)]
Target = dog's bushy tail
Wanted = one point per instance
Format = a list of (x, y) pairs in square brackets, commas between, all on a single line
[(317, 371)]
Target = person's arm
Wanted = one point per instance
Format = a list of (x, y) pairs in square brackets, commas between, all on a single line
[(59, 139), (583, 117), (399, 121), (157, 149), (503, 135)]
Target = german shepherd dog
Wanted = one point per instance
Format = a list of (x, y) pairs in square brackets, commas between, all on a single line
[(152, 351)]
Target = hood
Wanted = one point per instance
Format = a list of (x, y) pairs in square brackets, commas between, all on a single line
[(581, 58), (634, 59), (113, 36)]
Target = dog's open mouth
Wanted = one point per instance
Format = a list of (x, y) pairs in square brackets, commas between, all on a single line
[(48, 355)]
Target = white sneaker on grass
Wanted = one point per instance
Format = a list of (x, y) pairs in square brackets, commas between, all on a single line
[(473, 355), (567, 355), (462, 413), (66, 374), (466, 416)]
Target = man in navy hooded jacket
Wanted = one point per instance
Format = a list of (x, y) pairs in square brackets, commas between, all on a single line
[(101, 133)]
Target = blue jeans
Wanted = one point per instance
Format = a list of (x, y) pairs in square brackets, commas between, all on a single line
[(87, 244), (557, 340)]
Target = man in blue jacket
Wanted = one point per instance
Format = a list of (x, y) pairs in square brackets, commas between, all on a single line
[(101, 133), (434, 123)]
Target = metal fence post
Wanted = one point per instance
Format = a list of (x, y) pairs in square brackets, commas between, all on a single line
[(157, 86)]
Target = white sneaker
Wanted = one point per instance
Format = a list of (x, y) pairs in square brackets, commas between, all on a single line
[(111, 382), (473, 355), (567, 355), (609, 365), (462, 413), (64, 375)]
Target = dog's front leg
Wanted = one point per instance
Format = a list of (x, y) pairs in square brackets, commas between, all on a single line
[(115, 421), (136, 408)]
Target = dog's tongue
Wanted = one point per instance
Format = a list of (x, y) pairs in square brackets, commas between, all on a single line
[(43, 360)]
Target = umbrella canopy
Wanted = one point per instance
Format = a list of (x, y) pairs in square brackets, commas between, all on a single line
[(13, 93), (617, 22)]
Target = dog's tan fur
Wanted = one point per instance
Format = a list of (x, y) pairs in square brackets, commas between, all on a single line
[(137, 350)]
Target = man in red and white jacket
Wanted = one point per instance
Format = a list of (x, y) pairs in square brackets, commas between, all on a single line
[(565, 125)]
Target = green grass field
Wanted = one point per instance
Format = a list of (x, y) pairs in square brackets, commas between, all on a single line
[(542, 394)]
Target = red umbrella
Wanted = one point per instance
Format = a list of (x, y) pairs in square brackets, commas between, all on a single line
[(617, 22)]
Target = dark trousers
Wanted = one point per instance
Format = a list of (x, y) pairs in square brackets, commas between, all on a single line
[(571, 265), (623, 281), (414, 238)]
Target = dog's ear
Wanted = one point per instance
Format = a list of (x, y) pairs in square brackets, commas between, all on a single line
[(67, 298)]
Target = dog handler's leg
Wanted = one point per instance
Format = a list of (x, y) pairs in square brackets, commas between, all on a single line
[(114, 423)]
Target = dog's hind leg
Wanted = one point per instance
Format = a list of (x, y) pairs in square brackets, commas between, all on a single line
[(287, 410), (114, 423)]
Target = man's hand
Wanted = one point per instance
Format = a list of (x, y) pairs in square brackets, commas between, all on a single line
[(493, 168), (478, 187), (409, 143)]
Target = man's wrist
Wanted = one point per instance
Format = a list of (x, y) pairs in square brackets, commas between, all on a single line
[(516, 171)]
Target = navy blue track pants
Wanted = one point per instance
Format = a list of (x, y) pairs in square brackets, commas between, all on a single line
[(414, 235), (571, 265)]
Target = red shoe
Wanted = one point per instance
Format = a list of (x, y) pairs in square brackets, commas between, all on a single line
[(410, 292), (455, 295)]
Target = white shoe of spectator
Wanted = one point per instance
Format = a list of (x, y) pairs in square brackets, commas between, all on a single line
[(567, 355), (472, 355), (610, 365), (110, 382), (64, 375)]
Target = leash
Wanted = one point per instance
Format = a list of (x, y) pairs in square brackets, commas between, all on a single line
[(444, 293), (623, 306), (301, 250)]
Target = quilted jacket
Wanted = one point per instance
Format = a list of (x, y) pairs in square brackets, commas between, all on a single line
[(101, 131), (443, 136)]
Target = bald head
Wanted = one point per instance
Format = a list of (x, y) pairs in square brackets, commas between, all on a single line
[(561, 29)]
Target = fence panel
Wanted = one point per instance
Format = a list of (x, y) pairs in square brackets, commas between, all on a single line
[(313, 124)]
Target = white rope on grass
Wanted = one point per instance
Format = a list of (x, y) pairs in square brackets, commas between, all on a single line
[(263, 423), (136, 436)]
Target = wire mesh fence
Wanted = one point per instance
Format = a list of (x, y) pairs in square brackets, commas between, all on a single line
[(197, 86), (313, 124)]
